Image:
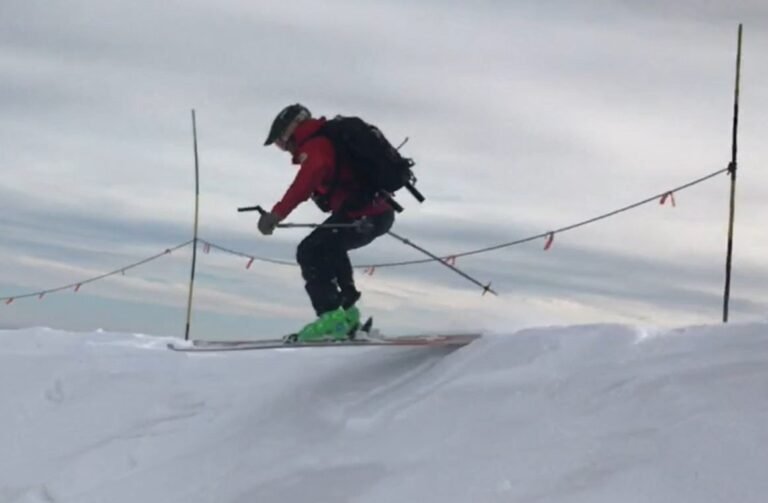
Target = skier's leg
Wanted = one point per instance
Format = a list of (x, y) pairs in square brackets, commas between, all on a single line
[(314, 255), (352, 239), (318, 269)]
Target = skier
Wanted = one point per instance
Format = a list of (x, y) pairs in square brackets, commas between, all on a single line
[(323, 254)]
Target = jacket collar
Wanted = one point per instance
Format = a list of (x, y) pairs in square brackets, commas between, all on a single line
[(307, 129)]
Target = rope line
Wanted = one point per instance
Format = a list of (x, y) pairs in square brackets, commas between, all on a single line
[(451, 258), (95, 278), (246, 255), (454, 256), (562, 229)]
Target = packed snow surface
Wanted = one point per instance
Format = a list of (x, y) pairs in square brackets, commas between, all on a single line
[(599, 413)]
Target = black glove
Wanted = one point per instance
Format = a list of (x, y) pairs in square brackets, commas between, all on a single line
[(267, 223)]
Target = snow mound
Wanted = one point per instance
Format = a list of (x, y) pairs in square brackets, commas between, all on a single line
[(600, 413)]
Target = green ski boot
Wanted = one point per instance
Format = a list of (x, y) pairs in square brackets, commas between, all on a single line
[(353, 318), (349, 296), (330, 326)]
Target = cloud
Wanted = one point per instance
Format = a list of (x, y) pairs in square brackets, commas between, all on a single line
[(522, 119)]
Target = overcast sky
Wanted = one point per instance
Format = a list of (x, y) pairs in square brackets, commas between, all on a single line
[(522, 117)]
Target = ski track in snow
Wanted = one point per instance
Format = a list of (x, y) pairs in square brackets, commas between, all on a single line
[(596, 413)]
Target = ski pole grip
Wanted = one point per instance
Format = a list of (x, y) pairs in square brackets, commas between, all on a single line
[(252, 208)]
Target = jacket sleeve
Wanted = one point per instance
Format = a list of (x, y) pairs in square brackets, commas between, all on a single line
[(315, 168)]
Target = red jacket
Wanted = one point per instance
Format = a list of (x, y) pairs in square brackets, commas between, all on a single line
[(318, 163)]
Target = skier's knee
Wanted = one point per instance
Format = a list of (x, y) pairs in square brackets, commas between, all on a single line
[(305, 253)]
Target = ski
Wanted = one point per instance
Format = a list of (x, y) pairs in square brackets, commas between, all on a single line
[(370, 340), (365, 330)]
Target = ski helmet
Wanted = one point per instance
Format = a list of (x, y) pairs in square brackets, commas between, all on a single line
[(286, 121)]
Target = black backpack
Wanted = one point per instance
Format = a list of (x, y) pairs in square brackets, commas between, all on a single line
[(378, 166)]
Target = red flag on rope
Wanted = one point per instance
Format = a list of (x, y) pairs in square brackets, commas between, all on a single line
[(671, 197), (550, 239)]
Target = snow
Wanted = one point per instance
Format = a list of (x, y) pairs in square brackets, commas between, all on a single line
[(598, 413)]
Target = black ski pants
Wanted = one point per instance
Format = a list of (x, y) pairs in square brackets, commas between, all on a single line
[(325, 265)]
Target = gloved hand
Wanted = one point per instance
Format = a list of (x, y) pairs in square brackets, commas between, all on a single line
[(267, 223)]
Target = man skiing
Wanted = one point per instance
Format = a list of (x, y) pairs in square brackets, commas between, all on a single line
[(329, 180)]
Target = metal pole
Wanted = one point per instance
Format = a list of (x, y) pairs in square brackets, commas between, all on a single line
[(194, 240), (732, 171)]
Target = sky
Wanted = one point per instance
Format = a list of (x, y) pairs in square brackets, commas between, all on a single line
[(522, 118)]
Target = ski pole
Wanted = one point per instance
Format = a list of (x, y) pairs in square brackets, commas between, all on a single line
[(360, 224), (486, 288), (324, 226)]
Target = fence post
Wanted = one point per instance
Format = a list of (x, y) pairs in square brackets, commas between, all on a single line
[(194, 239), (732, 171)]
